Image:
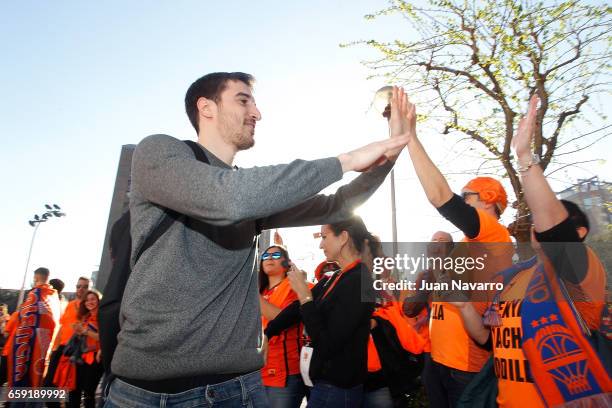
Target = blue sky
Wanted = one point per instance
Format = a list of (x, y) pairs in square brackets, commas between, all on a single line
[(80, 79)]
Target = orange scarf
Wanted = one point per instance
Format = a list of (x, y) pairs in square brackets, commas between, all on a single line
[(38, 316), (564, 364)]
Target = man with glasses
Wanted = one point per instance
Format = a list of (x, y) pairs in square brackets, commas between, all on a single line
[(67, 322), (455, 356), (190, 316)]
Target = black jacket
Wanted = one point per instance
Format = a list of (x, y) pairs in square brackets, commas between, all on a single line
[(338, 325)]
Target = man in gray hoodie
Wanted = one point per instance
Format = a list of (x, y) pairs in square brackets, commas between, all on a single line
[(190, 317)]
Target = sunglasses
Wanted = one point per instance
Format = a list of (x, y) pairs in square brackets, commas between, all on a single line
[(273, 255), (82, 286), (466, 194)]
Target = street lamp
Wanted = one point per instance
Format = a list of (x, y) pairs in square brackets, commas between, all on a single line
[(50, 212), (382, 103)]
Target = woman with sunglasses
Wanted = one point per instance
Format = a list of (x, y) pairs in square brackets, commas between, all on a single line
[(281, 374), (336, 315)]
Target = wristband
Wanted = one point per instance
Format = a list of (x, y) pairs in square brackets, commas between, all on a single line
[(535, 159), (306, 299)]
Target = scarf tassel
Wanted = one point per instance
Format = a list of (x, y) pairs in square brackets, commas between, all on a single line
[(491, 317), (598, 400)]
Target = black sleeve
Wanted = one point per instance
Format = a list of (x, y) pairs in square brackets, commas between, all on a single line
[(413, 305), (463, 216), (331, 332), (566, 252), (289, 316), (488, 345)]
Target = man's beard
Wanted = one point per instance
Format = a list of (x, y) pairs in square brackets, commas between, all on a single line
[(235, 131), (243, 140)]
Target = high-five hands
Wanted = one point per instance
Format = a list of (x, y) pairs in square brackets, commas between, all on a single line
[(402, 125), (403, 115), (371, 155)]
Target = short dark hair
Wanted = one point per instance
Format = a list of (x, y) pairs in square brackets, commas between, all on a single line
[(44, 272), (57, 284), (210, 87), (577, 216), (83, 278)]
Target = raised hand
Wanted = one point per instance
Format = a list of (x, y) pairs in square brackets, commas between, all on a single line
[(278, 240), (409, 117), (396, 120), (373, 154), (523, 137)]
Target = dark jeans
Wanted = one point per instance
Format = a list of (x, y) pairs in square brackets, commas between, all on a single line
[(325, 395), (88, 377), (243, 391), (380, 398), (290, 396), (444, 385), (48, 381)]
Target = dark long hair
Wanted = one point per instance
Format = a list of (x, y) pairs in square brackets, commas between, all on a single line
[(358, 234), (83, 311), (264, 281)]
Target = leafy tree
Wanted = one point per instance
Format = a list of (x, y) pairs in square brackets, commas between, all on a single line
[(475, 64)]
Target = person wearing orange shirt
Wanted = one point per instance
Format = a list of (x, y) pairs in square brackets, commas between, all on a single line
[(455, 356), (551, 306), (84, 379), (416, 305), (8, 332), (281, 374), (67, 322)]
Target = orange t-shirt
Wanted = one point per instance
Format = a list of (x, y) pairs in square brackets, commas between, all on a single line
[(68, 318), (451, 345), (515, 384), (490, 229), (283, 350), (91, 323)]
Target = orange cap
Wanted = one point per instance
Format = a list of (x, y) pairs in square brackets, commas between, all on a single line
[(489, 190)]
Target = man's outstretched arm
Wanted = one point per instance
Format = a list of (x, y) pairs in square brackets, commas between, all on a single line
[(325, 209), (164, 172)]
